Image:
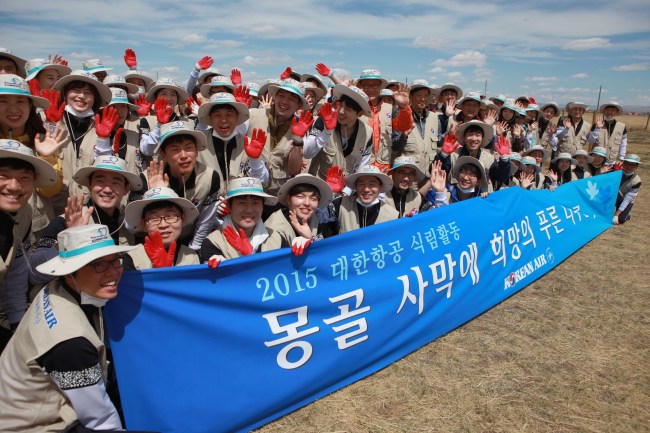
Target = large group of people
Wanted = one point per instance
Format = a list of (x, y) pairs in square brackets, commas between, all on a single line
[(102, 173)]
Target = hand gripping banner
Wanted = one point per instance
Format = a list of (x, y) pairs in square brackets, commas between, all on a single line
[(231, 349)]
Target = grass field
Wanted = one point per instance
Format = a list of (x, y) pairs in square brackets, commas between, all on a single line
[(569, 353)]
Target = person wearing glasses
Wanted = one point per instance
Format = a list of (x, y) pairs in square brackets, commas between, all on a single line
[(54, 370)]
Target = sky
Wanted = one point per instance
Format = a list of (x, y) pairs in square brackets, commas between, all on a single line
[(552, 50)]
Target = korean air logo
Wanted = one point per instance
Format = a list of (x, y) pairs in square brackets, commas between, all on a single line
[(120, 94), (154, 192), (11, 145), (433, 130), (167, 81), (119, 78), (248, 183), (178, 125), (511, 278), (112, 160), (549, 255), (14, 82), (88, 75), (102, 232)]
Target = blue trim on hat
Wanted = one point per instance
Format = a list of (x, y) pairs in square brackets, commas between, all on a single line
[(96, 67), (35, 70), (86, 249), (109, 167), (250, 191), (15, 91), (120, 101), (370, 77), (291, 88)]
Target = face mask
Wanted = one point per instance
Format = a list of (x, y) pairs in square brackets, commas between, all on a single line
[(368, 205), (141, 91), (466, 190), (87, 113), (228, 137), (609, 119), (91, 300)]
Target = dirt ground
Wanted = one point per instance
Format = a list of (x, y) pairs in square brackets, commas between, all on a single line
[(569, 353)]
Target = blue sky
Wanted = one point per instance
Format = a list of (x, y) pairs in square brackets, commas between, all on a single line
[(548, 49)]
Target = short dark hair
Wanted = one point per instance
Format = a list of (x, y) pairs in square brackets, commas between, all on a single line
[(472, 169), (350, 103), (178, 139), (303, 187), (474, 128), (90, 179), (217, 107), (78, 84), (160, 204), (17, 164)]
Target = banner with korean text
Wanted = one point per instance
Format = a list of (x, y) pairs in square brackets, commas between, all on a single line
[(231, 349)]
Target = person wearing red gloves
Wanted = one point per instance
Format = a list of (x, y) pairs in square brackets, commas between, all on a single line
[(242, 233), (44, 73), (161, 214)]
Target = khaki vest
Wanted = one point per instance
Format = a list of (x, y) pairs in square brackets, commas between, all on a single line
[(279, 223), (23, 219), (611, 142), (236, 167), (273, 242), (349, 214), (627, 185), (332, 153), (31, 401), (423, 148), (413, 201), (573, 141), (186, 256), (384, 153)]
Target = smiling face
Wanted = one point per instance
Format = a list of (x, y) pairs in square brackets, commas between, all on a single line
[(610, 111), (286, 104), (8, 66), (367, 188), (419, 99), (180, 155), (162, 219), (223, 119), (538, 155), (80, 96), (107, 189), (598, 160), (576, 113), (468, 176), (372, 88), (507, 114), (16, 185), (303, 201), (310, 96), (347, 115), (470, 108), (473, 138), (246, 211), (170, 94), (14, 112), (563, 165), (582, 159), (47, 78), (403, 177), (448, 95), (549, 113), (102, 285)]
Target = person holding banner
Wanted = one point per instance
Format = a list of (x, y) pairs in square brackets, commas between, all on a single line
[(560, 171), (629, 189), (471, 182), (530, 177), (406, 200)]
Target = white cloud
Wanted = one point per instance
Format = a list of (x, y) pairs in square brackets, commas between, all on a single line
[(266, 60), (587, 44), (462, 59), (632, 68), (437, 70), (542, 79), (580, 75), (223, 43), (457, 76), (426, 42), (193, 38)]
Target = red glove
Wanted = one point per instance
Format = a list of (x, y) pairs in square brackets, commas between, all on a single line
[(335, 178), (286, 74), (502, 146), (130, 59), (145, 107), (55, 112), (531, 100), (103, 127), (618, 166), (160, 258), (255, 145), (323, 69), (222, 209), (330, 116), (204, 63), (34, 87), (163, 112), (239, 242), (299, 128), (242, 94), (297, 249), (214, 262), (412, 212), (117, 141), (450, 144), (235, 76), (404, 120)]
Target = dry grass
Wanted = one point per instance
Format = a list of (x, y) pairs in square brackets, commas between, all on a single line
[(570, 353)]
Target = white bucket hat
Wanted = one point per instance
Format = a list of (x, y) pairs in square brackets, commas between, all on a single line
[(475, 96), (167, 83), (95, 65), (529, 160), (19, 61), (87, 77), (206, 75), (79, 246), (370, 170), (119, 81), (500, 98), (386, 93), (249, 186), (354, 93), (133, 213), (243, 114), (552, 105), (120, 97), (599, 150), (373, 74), (292, 86), (570, 105), (141, 75), (11, 84), (253, 89), (108, 163), (612, 104), (420, 84), (180, 127), (632, 157), (408, 161), (583, 152), (488, 132), (321, 84), (318, 91), (451, 86), (36, 66), (324, 190), (47, 176), (264, 89), (217, 81), (464, 160), (564, 155), (531, 149)]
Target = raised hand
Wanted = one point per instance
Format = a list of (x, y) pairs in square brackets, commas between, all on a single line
[(34, 87), (600, 122), (144, 106), (163, 112), (155, 249), (301, 226), (235, 76), (286, 74), (204, 63), (329, 115), (551, 128), (156, 176), (335, 179), (266, 101), (450, 144), (567, 122), (105, 123), (450, 107), (239, 241), (117, 141), (490, 116), (130, 59), (51, 142), (501, 127), (502, 146), (215, 261), (552, 175), (222, 208), (323, 69), (242, 94), (402, 98), (193, 105), (299, 244), (55, 111), (254, 146), (74, 212), (526, 180), (437, 177), (299, 128), (517, 130)]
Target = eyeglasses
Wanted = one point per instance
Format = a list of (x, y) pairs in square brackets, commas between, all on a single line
[(468, 174), (169, 219), (102, 266)]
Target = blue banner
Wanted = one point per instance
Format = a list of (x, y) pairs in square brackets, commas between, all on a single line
[(231, 349)]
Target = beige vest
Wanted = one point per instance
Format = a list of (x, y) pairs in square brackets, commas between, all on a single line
[(627, 185), (384, 153), (611, 142), (573, 141), (31, 401), (273, 242), (186, 256), (413, 201), (279, 223), (236, 167), (332, 153), (23, 219), (423, 148), (349, 214)]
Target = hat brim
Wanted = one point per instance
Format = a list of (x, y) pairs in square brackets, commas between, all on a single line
[(274, 91), (130, 88), (243, 113), (418, 172), (182, 93), (459, 91), (324, 190), (47, 176), (62, 70), (341, 89), (133, 213), (305, 77), (576, 104), (264, 88), (268, 199), (148, 81), (537, 167), (317, 91), (553, 106), (199, 137), (545, 152), (488, 132), (386, 181), (103, 90), (20, 63), (204, 76), (205, 88), (572, 160), (468, 98), (619, 109), (82, 177), (59, 266), (384, 82), (464, 160)]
